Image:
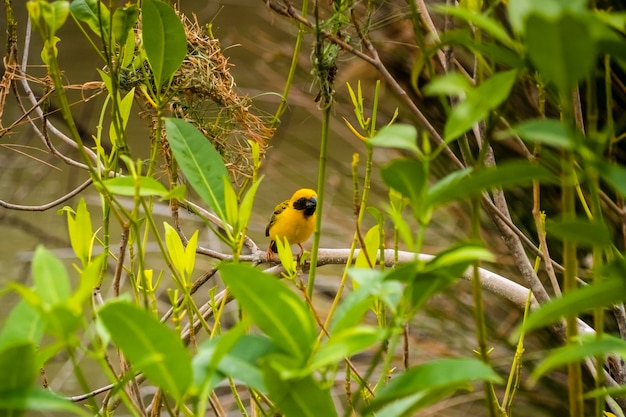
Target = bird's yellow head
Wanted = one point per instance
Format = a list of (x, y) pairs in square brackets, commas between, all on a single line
[(305, 200)]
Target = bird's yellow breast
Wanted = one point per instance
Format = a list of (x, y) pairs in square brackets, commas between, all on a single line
[(293, 225)]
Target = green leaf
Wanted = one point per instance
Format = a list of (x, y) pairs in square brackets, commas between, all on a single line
[(125, 105), (22, 325), (54, 15), (586, 347), (200, 162), (585, 232), (397, 135), (459, 185), (615, 175), (546, 131), (409, 177), (50, 277), (561, 48), (245, 208), (129, 186), (164, 40), (298, 397), (520, 10), (372, 244), (605, 293), (175, 248), (94, 13), (494, 28), (449, 84), (273, 307), (18, 366), (124, 19), (14, 402), (150, 345), (479, 102), (80, 231), (89, 279), (345, 343), (439, 374)]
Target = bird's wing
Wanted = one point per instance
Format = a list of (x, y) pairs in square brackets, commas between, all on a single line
[(277, 210)]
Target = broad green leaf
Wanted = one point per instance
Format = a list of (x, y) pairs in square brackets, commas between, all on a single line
[(210, 354), (409, 177), (129, 186), (615, 175), (18, 366), (546, 131), (459, 185), (588, 346), (479, 102), (438, 374), (49, 52), (585, 232), (449, 84), (520, 10), (50, 277), (273, 307), (200, 162), (94, 13), (164, 40), (124, 19), (298, 397), (14, 402), (372, 244), (150, 345), (561, 48), (605, 293), (493, 27), (397, 135), (504, 56), (346, 343), (407, 406), (62, 321), (22, 325), (175, 248), (54, 15), (241, 361)]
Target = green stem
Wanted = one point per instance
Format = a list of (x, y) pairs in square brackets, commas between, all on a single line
[(321, 186)]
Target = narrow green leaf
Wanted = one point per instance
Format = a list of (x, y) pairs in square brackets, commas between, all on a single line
[(585, 232), (587, 347), (150, 345), (345, 343), (190, 253), (129, 186), (164, 40), (125, 105), (89, 278), (509, 174), (397, 135), (80, 231), (22, 325), (561, 48), (14, 402), (94, 13), (245, 209), (479, 102), (200, 162), (124, 19), (608, 292), (50, 277), (298, 397), (273, 307), (547, 131), (438, 374)]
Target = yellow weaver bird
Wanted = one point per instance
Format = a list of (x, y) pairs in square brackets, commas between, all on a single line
[(293, 219)]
